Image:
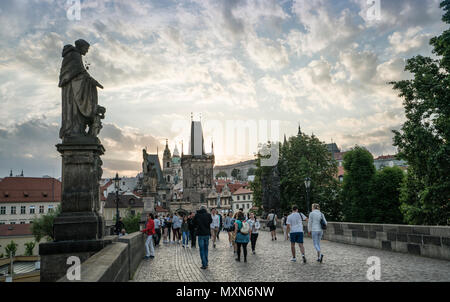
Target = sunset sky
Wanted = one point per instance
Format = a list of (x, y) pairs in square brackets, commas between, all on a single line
[(323, 64)]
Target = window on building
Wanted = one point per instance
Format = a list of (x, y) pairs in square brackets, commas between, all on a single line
[(23, 210), (13, 210), (41, 209), (50, 208), (243, 197), (249, 197), (168, 178), (12, 222), (22, 222), (2, 222), (133, 212), (168, 165), (238, 197), (2, 210), (32, 210)]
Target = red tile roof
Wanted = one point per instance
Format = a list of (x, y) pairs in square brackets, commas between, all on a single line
[(160, 209), (339, 155), (15, 229), (242, 190), (15, 189)]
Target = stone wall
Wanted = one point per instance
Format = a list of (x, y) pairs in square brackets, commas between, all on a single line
[(117, 262), (428, 241)]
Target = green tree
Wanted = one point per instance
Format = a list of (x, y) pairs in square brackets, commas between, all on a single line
[(11, 249), (221, 174), (131, 221), (42, 227), (236, 173), (305, 156), (424, 139), (251, 171), (356, 188), (29, 247), (385, 199)]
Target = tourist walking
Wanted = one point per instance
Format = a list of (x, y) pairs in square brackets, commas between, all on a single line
[(185, 231), (283, 223), (192, 234), (176, 227), (233, 233), (157, 236), (220, 225), (169, 226), (295, 229), (241, 230), (215, 224), (254, 228), (149, 231), (202, 222), (229, 227), (315, 228), (272, 224)]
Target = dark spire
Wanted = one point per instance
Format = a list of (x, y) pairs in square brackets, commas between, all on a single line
[(285, 140), (10, 174), (21, 174), (299, 130)]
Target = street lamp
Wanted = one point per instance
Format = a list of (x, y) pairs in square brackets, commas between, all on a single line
[(307, 185), (117, 187)]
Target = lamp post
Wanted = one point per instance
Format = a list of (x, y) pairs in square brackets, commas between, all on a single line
[(117, 187), (307, 185)]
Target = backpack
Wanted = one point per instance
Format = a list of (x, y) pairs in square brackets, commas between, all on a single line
[(244, 228)]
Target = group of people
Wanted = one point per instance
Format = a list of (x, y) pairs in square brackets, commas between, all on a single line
[(241, 228)]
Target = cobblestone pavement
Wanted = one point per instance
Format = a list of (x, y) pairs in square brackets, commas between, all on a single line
[(341, 262)]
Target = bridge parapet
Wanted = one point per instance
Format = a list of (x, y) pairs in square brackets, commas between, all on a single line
[(428, 241)]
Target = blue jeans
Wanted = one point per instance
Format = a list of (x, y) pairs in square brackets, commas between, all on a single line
[(316, 236), (185, 238), (203, 242), (149, 250)]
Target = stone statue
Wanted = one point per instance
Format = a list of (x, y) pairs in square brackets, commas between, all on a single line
[(150, 177), (80, 107)]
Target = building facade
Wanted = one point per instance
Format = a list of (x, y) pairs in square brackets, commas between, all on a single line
[(24, 198), (197, 168), (242, 199)]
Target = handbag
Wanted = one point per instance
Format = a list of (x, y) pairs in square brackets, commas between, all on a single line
[(323, 224)]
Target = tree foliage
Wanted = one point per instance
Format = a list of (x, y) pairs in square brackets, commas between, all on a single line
[(301, 156), (11, 249), (42, 227), (424, 137), (131, 221), (385, 199), (221, 174), (29, 247), (356, 190)]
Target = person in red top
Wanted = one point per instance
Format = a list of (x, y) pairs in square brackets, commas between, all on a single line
[(150, 231)]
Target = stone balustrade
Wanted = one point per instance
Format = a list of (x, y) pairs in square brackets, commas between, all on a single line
[(428, 241)]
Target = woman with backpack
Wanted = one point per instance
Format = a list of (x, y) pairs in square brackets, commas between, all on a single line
[(241, 230), (316, 225), (229, 224), (254, 227), (272, 224)]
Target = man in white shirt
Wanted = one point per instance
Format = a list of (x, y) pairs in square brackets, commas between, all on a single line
[(214, 226), (295, 229)]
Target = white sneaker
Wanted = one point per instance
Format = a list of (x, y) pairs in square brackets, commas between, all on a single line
[(293, 259)]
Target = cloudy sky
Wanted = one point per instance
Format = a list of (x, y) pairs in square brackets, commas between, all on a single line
[(268, 64)]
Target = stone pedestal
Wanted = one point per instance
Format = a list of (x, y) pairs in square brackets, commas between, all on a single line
[(79, 229)]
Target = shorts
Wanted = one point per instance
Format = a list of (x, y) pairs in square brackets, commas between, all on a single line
[(272, 228), (296, 237)]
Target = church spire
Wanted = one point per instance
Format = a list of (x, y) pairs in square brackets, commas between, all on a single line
[(299, 130), (285, 140), (10, 174)]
